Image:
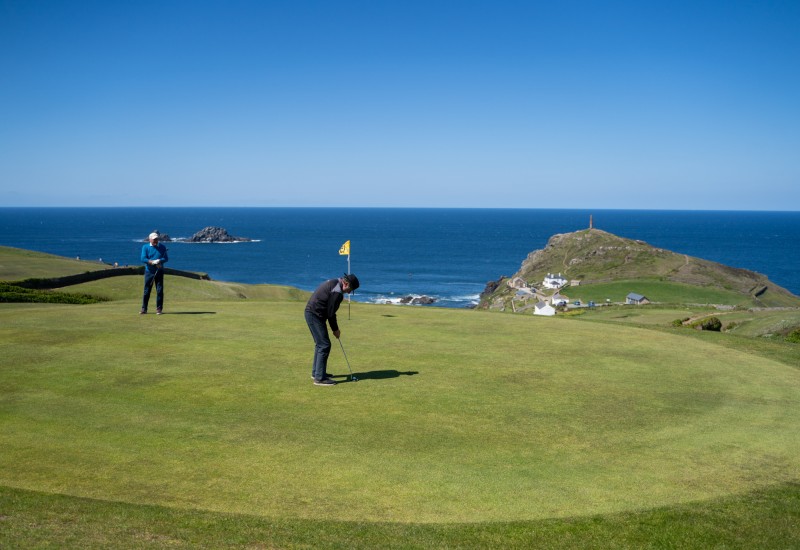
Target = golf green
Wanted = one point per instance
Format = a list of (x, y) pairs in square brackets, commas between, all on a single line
[(458, 416)]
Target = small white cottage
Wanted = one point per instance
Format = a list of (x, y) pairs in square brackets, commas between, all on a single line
[(543, 308), (554, 281)]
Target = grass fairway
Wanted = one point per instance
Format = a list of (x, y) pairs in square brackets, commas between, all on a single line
[(459, 417)]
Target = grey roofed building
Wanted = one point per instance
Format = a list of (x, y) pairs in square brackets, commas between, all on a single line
[(636, 299)]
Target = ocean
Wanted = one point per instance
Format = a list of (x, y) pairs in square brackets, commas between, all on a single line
[(445, 254)]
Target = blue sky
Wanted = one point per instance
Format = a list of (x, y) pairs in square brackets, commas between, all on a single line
[(556, 104)]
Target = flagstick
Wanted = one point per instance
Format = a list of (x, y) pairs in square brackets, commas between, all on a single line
[(348, 296)]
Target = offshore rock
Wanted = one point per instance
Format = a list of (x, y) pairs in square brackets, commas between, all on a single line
[(215, 235), (163, 237)]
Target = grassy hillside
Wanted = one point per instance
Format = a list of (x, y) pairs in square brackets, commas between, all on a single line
[(596, 258), (17, 264), (467, 429), (665, 292)]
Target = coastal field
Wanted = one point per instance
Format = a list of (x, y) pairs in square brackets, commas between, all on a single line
[(201, 428)]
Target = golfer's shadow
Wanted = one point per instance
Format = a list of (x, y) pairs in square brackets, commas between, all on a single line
[(376, 375)]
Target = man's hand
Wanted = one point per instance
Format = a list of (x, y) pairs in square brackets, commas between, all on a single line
[(337, 333)]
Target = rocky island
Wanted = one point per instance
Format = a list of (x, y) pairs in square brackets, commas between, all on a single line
[(163, 237), (215, 235)]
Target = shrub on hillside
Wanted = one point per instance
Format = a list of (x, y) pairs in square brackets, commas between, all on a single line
[(708, 323), (712, 323), (794, 336), (10, 293)]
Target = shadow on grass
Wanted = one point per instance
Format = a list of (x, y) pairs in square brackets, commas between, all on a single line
[(190, 313), (375, 375)]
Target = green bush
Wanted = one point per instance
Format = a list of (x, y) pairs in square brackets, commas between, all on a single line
[(712, 323), (794, 336), (10, 293), (707, 323)]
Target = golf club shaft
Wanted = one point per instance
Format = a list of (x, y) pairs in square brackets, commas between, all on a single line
[(345, 357)]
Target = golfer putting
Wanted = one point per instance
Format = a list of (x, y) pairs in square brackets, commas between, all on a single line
[(321, 309)]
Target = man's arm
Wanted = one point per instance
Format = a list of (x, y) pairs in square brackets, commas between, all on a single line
[(333, 306)]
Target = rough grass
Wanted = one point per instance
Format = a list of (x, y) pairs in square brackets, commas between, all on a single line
[(764, 519)]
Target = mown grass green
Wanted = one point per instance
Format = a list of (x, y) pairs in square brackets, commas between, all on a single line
[(201, 427), (455, 418)]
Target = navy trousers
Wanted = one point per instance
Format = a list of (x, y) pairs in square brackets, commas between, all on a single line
[(322, 345), (156, 278)]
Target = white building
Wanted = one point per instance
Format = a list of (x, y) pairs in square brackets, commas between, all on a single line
[(543, 308), (554, 281)]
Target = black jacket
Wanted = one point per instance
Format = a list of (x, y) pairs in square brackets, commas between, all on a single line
[(326, 300)]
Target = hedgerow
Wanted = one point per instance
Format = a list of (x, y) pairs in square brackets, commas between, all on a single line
[(15, 294)]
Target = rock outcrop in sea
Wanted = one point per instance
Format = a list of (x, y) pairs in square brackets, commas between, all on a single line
[(163, 237), (215, 235), (417, 300)]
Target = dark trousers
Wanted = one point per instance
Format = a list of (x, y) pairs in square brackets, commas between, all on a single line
[(156, 278), (322, 345)]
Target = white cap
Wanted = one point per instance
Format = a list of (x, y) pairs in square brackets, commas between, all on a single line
[(153, 236)]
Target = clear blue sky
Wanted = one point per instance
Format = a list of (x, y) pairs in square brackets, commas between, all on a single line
[(537, 104)]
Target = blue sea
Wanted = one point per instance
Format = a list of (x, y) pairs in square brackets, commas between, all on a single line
[(446, 254)]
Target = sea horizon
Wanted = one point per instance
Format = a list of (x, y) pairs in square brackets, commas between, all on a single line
[(321, 207), (448, 254)]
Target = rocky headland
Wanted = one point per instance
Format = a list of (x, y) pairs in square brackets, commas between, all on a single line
[(594, 256)]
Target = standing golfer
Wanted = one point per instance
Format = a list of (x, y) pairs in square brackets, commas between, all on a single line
[(154, 256), (322, 307)]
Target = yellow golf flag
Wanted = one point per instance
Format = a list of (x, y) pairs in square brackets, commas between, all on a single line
[(345, 250)]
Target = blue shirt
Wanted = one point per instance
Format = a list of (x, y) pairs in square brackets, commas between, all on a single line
[(150, 252)]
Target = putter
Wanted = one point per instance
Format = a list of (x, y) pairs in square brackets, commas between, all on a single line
[(352, 378)]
